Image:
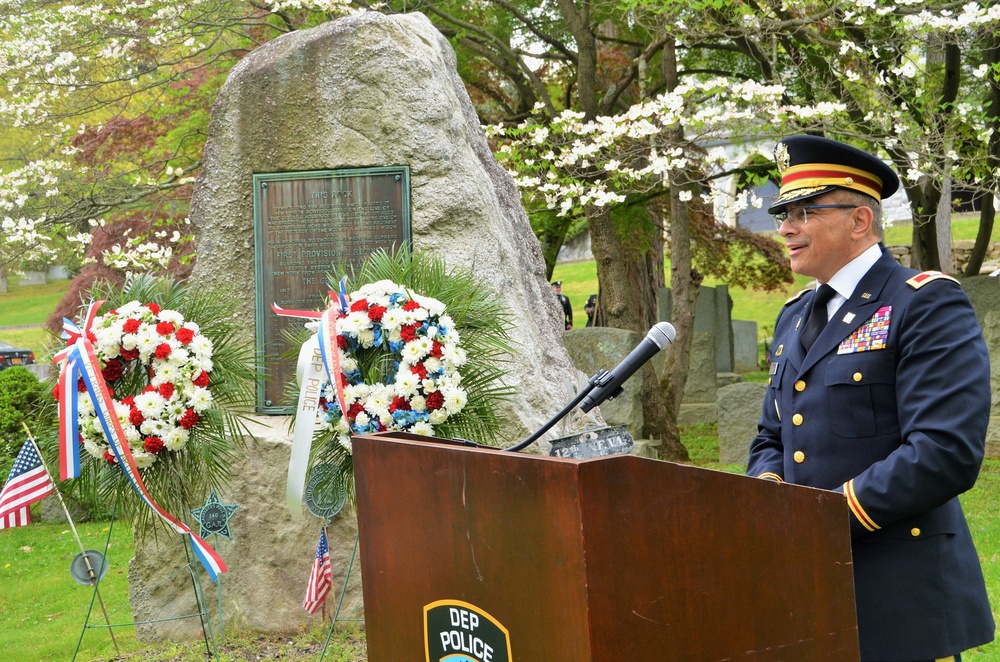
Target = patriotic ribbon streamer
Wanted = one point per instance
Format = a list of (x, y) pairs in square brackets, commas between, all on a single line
[(318, 364), (80, 360), (69, 430)]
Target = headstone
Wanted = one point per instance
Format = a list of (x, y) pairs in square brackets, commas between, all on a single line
[(745, 348), (602, 348), (739, 410), (698, 402), (723, 330), (368, 90), (991, 331)]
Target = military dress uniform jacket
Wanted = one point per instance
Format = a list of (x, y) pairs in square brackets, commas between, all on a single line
[(890, 406)]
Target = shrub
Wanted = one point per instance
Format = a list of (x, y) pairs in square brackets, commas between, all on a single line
[(22, 398)]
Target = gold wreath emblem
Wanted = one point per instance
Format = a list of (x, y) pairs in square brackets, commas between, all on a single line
[(781, 157)]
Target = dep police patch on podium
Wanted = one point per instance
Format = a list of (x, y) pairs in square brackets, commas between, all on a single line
[(456, 631)]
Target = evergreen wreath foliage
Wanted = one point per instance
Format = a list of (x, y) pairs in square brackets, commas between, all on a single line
[(483, 323), (178, 480)]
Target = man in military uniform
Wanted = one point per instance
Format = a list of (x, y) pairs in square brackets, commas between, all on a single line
[(564, 302), (887, 402)]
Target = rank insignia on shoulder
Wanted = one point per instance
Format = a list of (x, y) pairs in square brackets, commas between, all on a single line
[(922, 279), (798, 295)]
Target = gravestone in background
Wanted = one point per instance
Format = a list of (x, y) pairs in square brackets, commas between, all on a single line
[(364, 91)]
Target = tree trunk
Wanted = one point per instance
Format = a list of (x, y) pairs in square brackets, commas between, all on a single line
[(684, 283), (987, 209), (924, 200)]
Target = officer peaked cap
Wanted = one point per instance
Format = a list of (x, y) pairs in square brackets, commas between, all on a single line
[(811, 165)]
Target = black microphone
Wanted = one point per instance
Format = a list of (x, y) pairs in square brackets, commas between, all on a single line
[(610, 384)]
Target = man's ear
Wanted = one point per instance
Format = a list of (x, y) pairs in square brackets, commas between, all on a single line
[(862, 220)]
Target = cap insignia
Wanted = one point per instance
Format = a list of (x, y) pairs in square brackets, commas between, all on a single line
[(781, 157)]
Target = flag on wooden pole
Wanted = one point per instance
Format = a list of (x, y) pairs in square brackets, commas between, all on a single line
[(28, 482)]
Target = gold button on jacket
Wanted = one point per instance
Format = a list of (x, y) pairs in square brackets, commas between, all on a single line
[(857, 376), (799, 456), (915, 532), (797, 419), (800, 386)]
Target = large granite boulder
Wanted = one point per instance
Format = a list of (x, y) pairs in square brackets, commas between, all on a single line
[(375, 90), (269, 558), (363, 91)]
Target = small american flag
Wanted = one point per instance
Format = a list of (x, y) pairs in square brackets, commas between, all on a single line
[(320, 578), (28, 482)]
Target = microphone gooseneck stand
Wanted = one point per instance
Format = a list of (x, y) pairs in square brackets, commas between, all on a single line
[(600, 378)]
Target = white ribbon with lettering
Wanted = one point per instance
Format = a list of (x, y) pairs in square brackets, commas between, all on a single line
[(311, 374)]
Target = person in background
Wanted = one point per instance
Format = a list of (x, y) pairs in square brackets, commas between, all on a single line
[(880, 389), (591, 309), (564, 301)]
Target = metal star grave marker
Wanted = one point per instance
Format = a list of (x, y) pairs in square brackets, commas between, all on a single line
[(214, 516)]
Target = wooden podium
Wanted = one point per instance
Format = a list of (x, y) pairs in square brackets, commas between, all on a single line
[(604, 560)]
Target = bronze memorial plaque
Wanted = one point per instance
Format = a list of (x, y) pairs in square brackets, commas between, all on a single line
[(306, 225)]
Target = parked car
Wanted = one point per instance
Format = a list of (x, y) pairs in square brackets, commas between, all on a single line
[(10, 355)]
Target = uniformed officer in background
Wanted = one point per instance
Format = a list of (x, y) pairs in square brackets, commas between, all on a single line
[(564, 302), (887, 402)]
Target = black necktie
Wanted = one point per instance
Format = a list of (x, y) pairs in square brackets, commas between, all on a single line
[(817, 316)]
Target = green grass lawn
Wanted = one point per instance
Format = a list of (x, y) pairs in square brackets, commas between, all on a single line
[(30, 304)]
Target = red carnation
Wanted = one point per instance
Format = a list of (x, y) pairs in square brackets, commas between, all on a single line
[(436, 348), (408, 332), (79, 438), (130, 354), (153, 445), (166, 390), (354, 410), (376, 312), (162, 351), (165, 328), (131, 325), (149, 388), (359, 305), (189, 419), (55, 392), (184, 335), (109, 458), (399, 403), (112, 370), (81, 387), (342, 342), (435, 400), (128, 400), (201, 380), (420, 370), (135, 417), (410, 305), (153, 307), (322, 402)]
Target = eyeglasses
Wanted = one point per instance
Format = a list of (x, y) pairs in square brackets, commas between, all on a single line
[(801, 214)]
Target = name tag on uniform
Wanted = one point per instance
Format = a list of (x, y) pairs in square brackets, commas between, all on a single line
[(774, 367)]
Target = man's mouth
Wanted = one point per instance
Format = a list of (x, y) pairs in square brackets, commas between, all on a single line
[(794, 249)]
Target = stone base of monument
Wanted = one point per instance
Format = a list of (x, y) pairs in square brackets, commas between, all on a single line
[(269, 557)]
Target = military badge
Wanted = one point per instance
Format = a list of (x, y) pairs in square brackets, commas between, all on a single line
[(781, 157), (871, 335)]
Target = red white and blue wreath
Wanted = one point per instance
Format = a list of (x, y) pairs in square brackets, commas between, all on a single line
[(423, 390), (345, 381), (177, 358)]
